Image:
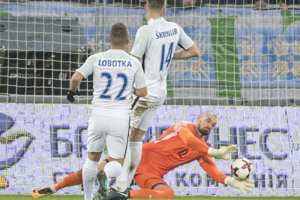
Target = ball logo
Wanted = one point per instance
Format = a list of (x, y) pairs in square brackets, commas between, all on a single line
[(246, 165), (6, 123)]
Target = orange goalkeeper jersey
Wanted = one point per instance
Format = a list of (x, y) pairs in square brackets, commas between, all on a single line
[(170, 151)]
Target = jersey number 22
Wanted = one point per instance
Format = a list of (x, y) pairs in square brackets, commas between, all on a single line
[(119, 97)]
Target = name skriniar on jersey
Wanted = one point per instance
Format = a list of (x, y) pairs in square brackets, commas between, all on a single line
[(168, 33), (114, 63)]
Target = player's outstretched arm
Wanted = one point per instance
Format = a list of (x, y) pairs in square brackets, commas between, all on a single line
[(243, 185), (222, 153), (201, 147)]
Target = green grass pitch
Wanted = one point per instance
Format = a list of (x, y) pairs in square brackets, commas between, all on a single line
[(80, 197)]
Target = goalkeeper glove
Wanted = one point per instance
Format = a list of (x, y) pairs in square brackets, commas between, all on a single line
[(71, 94), (221, 153), (242, 185)]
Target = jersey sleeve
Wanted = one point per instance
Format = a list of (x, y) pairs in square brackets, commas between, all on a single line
[(184, 40), (139, 77), (88, 67), (140, 46), (211, 169), (192, 141)]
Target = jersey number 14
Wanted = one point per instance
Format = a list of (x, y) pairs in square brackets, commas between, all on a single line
[(165, 60)]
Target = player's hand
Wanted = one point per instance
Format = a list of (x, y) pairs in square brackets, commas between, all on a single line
[(243, 185), (222, 153), (71, 94)]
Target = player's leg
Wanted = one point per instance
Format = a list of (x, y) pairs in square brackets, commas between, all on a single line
[(112, 168), (138, 112), (152, 186), (89, 173), (73, 179), (160, 192), (142, 116), (135, 146), (117, 140), (95, 146), (138, 130)]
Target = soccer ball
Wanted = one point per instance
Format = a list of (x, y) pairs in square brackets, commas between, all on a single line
[(241, 169)]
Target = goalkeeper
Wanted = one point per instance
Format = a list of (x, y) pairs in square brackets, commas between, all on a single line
[(180, 144)]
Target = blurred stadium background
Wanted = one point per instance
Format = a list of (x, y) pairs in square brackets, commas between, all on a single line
[(248, 74)]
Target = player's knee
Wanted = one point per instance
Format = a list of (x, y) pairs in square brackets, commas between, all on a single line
[(79, 173), (136, 136), (168, 193)]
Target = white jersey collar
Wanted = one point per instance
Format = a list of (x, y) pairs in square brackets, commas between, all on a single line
[(116, 50), (158, 19)]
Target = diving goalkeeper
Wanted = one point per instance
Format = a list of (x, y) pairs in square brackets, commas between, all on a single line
[(180, 144)]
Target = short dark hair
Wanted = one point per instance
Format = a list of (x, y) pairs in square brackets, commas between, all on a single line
[(156, 4), (118, 34)]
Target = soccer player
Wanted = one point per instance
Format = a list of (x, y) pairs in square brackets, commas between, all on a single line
[(155, 44), (180, 144), (114, 74)]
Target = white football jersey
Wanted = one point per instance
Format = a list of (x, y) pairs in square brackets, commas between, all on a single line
[(155, 43), (114, 74)]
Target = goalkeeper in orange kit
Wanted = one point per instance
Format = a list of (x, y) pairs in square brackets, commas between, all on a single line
[(180, 144)]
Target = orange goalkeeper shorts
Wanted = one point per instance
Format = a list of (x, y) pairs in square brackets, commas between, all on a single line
[(147, 180)]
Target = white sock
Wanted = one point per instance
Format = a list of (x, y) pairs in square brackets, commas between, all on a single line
[(112, 169), (122, 179), (89, 174), (136, 154)]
